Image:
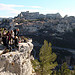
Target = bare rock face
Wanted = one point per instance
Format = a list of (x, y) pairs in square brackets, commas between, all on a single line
[(18, 62)]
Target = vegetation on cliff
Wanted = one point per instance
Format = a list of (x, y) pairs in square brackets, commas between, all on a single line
[(46, 62)]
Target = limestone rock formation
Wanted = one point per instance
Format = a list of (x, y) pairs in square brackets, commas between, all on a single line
[(18, 62)]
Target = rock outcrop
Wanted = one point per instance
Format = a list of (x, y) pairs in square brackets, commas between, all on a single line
[(18, 62)]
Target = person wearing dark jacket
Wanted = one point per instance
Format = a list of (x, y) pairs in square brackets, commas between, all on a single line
[(16, 41), (4, 37), (16, 32)]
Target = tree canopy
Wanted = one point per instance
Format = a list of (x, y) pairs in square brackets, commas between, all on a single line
[(46, 62)]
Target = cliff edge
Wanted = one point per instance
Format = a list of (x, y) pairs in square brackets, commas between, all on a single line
[(17, 62)]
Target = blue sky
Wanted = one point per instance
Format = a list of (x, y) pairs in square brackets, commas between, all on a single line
[(11, 8)]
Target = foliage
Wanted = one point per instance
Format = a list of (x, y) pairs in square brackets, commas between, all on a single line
[(64, 70), (73, 72), (46, 62)]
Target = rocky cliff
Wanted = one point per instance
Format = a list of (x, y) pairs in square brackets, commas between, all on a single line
[(18, 62)]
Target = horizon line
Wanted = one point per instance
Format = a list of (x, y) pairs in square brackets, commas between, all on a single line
[(35, 12)]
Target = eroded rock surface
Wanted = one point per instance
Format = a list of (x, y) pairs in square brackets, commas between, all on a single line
[(18, 62)]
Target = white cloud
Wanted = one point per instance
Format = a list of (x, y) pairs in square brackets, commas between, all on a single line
[(11, 8), (33, 6), (10, 5)]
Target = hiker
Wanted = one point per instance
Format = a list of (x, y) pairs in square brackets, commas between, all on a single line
[(16, 41), (9, 37), (4, 37), (22, 39), (19, 39), (7, 42), (12, 36), (0, 35), (16, 32)]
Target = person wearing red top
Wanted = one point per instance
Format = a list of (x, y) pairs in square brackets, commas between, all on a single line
[(9, 37)]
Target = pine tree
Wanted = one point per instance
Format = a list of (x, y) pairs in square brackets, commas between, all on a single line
[(64, 69), (47, 60)]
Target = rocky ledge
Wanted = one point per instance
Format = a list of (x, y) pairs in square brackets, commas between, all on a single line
[(18, 62)]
